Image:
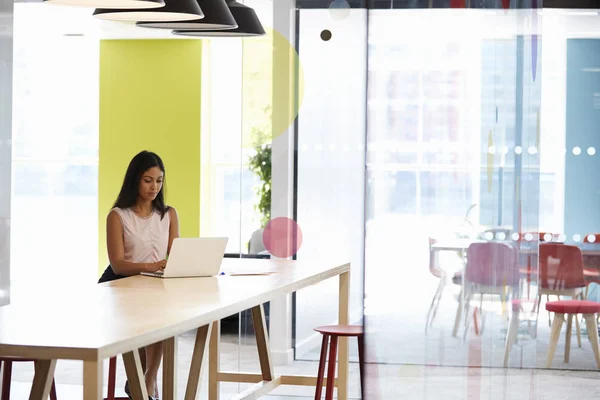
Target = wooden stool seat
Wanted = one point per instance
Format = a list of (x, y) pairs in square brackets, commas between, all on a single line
[(341, 330), (589, 309), (331, 333)]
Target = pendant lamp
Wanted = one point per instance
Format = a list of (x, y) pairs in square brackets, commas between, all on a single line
[(573, 4), (174, 10), (248, 24), (216, 17), (125, 4)]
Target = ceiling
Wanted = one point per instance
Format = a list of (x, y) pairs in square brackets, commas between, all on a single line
[(40, 21), (33, 17)]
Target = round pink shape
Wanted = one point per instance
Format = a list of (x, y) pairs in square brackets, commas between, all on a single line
[(282, 237)]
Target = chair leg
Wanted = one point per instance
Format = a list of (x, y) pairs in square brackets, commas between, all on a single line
[(554, 336), (577, 324), (435, 302), (578, 331), (331, 368), (459, 311), (511, 337), (537, 311), (361, 364), (549, 318), (6, 378), (112, 376)]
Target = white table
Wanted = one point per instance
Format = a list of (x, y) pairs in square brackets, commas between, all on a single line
[(587, 249), (96, 322)]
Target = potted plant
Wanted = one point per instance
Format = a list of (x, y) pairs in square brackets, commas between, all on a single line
[(260, 164)]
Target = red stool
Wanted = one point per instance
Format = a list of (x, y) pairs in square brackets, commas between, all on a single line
[(6, 377), (112, 378), (334, 332), (589, 309)]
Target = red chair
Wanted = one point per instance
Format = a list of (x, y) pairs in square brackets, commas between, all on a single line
[(591, 264), (333, 332), (492, 268), (6, 377), (589, 309), (561, 274), (443, 275), (530, 270)]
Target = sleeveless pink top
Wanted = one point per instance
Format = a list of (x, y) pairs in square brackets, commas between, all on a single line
[(144, 239)]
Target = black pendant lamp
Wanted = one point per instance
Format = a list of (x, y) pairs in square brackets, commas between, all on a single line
[(126, 4), (248, 24), (174, 10), (216, 17), (573, 4)]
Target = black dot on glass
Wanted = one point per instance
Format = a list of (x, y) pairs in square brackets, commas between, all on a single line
[(326, 35)]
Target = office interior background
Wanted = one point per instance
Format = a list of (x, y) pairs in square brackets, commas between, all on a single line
[(409, 126)]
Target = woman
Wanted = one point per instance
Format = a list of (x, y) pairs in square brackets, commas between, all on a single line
[(140, 230)]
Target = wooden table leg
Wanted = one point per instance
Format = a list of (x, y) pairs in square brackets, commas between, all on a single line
[(343, 351), (214, 359), (169, 389), (262, 342), (135, 375), (200, 348), (92, 380), (42, 380)]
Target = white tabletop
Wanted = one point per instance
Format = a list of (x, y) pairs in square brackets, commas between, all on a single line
[(99, 321)]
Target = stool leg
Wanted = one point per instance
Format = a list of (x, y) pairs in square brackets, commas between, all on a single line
[(361, 364), (321, 373), (331, 368), (568, 338), (6, 377), (592, 328), (112, 373), (53, 390), (554, 336)]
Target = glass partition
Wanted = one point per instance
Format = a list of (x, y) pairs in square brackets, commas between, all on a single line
[(330, 167)]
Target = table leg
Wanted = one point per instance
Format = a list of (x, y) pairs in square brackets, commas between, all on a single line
[(200, 348), (169, 390), (135, 376), (262, 342), (42, 380), (214, 361), (343, 350), (92, 380)]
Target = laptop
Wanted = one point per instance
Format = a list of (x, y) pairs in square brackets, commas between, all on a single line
[(193, 257)]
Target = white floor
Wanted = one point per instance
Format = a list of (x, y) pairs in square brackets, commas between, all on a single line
[(424, 383)]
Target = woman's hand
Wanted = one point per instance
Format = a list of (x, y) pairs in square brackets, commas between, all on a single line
[(157, 266)]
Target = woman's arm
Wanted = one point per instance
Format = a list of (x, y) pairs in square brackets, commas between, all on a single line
[(173, 227), (116, 249)]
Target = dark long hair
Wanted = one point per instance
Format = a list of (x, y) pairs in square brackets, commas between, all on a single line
[(128, 195)]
